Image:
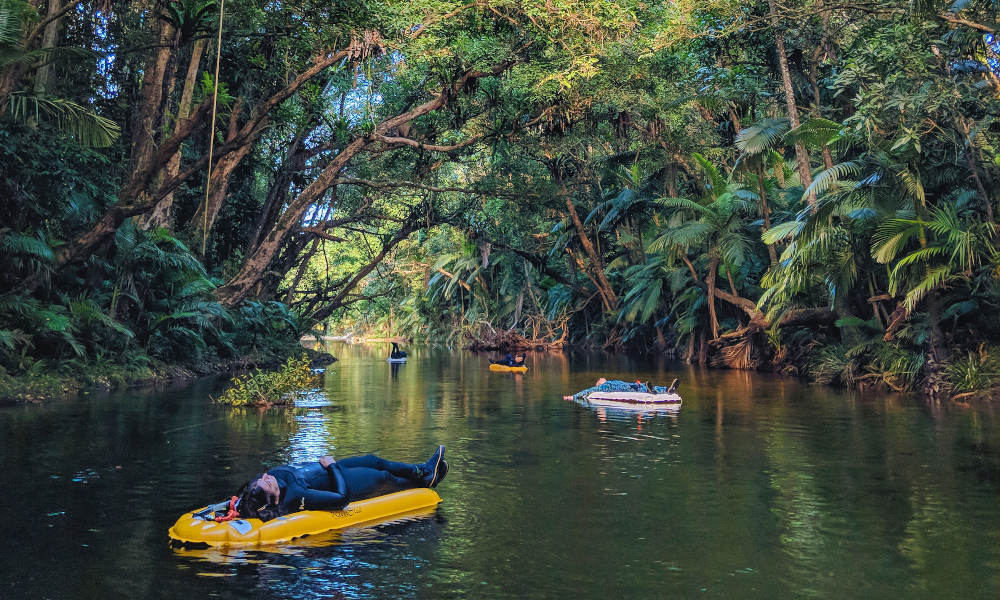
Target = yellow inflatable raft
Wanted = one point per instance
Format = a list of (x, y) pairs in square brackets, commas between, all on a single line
[(197, 527), (505, 369)]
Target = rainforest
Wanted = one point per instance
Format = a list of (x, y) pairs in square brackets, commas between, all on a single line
[(807, 187)]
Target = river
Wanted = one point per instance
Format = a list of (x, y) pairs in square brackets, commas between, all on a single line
[(757, 487)]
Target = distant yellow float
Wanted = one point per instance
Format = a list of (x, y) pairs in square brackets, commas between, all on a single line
[(505, 369), (197, 527)]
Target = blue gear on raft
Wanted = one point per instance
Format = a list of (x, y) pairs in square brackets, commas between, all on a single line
[(618, 393)]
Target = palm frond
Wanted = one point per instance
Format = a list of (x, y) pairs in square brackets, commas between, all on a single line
[(25, 245), (781, 231), (921, 255), (85, 126), (913, 185), (762, 136), (815, 132), (11, 19), (685, 237), (931, 281), (716, 183), (686, 204), (891, 237), (827, 178)]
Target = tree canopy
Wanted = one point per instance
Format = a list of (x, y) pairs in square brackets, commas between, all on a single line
[(804, 185)]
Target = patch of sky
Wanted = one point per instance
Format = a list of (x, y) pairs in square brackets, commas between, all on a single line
[(354, 100), (106, 54), (993, 52)]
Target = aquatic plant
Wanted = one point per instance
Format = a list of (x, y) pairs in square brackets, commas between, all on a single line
[(266, 388)]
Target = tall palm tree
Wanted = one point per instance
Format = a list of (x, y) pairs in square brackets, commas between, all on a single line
[(757, 145), (713, 224)]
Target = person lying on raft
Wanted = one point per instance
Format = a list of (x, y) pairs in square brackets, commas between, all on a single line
[(603, 385), (510, 361), (396, 352), (330, 484)]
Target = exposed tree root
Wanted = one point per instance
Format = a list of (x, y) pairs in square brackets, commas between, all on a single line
[(545, 335)]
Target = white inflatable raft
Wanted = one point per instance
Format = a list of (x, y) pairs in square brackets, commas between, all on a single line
[(632, 399)]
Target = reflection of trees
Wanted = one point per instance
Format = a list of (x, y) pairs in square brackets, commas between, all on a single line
[(797, 505), (819, 493)]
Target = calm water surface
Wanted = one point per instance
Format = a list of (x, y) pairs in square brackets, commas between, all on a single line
[(758, 487)]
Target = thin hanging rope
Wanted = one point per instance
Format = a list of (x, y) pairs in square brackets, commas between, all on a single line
[(211, 132)]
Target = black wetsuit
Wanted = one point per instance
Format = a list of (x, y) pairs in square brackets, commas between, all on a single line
[(310, 486)]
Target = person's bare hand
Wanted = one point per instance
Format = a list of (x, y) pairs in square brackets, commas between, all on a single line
[(326, 461)]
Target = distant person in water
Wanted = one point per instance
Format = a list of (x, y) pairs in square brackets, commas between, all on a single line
[(396, 352), (507, 360), (603, 385), (330, 484), (510, 361)]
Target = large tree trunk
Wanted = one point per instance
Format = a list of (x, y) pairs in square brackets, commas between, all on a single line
[(713, 267), (801, 155), (109, 222), (43, 78), (765, 211), (303, 265), (148, 113), (13, 74), (278, 192), (204, 217), (161, 215), (817, 100), (240, 286)]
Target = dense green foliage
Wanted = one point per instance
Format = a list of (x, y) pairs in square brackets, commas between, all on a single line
[(264, 388), (800, 185)]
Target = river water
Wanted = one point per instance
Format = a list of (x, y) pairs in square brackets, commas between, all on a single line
[(757, 487)]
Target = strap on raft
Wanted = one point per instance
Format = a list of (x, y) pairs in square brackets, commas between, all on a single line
[(231, 514)]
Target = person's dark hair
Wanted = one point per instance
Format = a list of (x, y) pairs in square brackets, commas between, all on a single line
[(254, 503)]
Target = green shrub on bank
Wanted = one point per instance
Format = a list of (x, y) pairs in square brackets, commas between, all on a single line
[(264, 388), (975, 374)]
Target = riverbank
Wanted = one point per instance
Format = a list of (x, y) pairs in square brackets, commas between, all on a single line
[(961, 378), (36, 387)]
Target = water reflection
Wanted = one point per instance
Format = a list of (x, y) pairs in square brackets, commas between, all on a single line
[(394, 369), (633, 414), (758, 487)]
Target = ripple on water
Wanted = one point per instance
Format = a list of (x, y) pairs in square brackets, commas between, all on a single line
[(314, 398)]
